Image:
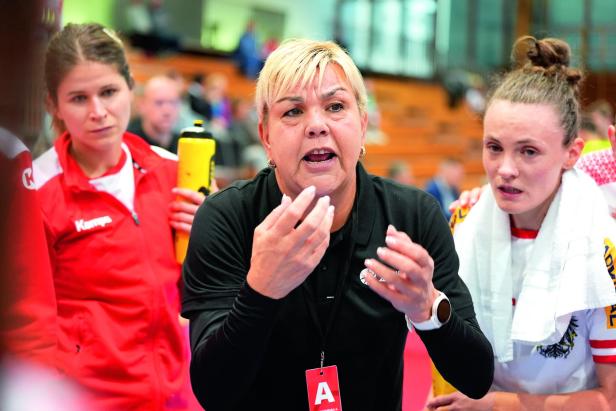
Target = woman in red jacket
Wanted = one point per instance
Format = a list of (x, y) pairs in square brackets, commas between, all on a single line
[(109, 209)]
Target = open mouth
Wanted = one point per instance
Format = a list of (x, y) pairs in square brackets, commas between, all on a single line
[(509, 190), (319, 155)]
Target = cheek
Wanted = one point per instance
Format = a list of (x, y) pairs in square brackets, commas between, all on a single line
[(489, 166)]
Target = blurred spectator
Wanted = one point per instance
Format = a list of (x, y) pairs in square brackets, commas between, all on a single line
[(198, 104), (215, 93), (593, 140), (270, 45), (244, 132), (187, 115), (445, 186), (248, 53), (227, 150), (601, 114), (159, 108), (401, 172)]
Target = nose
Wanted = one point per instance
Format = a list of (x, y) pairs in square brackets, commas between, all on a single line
[(97, 109), (316, 126), (508, 169)]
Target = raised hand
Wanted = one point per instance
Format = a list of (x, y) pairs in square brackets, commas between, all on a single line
[(468, 198), (285, 253), (406, 270)]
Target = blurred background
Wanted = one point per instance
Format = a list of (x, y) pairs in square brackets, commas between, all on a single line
[(427, 64)]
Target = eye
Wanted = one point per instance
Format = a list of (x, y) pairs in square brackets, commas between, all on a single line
[(78, 98), (294, 112), (336, 107), (108, 92), (493, 148), (529, 152)]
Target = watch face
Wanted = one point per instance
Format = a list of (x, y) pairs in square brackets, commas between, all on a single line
[(443, 311)]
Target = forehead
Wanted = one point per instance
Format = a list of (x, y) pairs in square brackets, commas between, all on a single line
[(521, 121), (162, 88), (89, 74), (333, 76)]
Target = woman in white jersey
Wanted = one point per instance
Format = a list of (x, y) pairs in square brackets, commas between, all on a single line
[(534, 249)]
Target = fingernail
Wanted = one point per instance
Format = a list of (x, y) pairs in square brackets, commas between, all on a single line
[(331, 209), (391, 241), (325, 199), (380, 251), (310, 189), (285, 199), (368, 262)]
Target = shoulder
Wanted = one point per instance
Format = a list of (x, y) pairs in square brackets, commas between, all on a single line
[(10, 145), (46, 167), (403, 198), (241, 193)]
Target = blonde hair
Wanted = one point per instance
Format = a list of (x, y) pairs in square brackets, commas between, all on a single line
[(541, 75), (295, 63)]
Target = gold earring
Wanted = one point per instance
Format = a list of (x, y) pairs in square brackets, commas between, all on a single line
[(271, 164), (362, 152)]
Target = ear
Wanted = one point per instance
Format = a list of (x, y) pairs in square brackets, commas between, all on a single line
[(265, 138), (573, 153), (364, 126), (51, 107)]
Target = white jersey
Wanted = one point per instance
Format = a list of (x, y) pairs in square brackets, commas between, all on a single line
[(569, 365)]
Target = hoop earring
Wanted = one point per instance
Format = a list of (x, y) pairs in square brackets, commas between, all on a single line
[(271, 164), (362, 152)]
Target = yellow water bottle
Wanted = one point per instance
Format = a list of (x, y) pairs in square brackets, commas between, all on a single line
[(196, 148)]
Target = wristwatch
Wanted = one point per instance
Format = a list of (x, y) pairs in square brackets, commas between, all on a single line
[(441, 313)]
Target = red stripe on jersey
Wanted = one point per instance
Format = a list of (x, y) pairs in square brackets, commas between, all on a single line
[(522, 233), (603, 343), (604, 359)]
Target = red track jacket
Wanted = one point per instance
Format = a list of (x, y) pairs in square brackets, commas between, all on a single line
[(116, 278)]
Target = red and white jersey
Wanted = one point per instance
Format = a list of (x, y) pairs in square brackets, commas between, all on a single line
[(601, 166), (29, 322), (569, 365), (115, 274)]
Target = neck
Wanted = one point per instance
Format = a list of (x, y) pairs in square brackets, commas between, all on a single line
[(344, 207), (95, 164)]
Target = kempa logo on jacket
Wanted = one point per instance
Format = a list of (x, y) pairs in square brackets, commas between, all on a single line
[(82, 225)]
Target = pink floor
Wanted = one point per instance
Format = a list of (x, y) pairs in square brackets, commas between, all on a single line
[(417, 374)]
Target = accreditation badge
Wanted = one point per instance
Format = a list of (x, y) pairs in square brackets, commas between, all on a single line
[(323, 389)]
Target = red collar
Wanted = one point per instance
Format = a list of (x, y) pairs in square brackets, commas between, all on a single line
[(523, 233), (140, 151)]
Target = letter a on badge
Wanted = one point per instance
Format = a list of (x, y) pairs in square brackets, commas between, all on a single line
[(323, 389), (323, 393)]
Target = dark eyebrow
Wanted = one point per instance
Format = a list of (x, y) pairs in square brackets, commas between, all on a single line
[(517, 143)]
